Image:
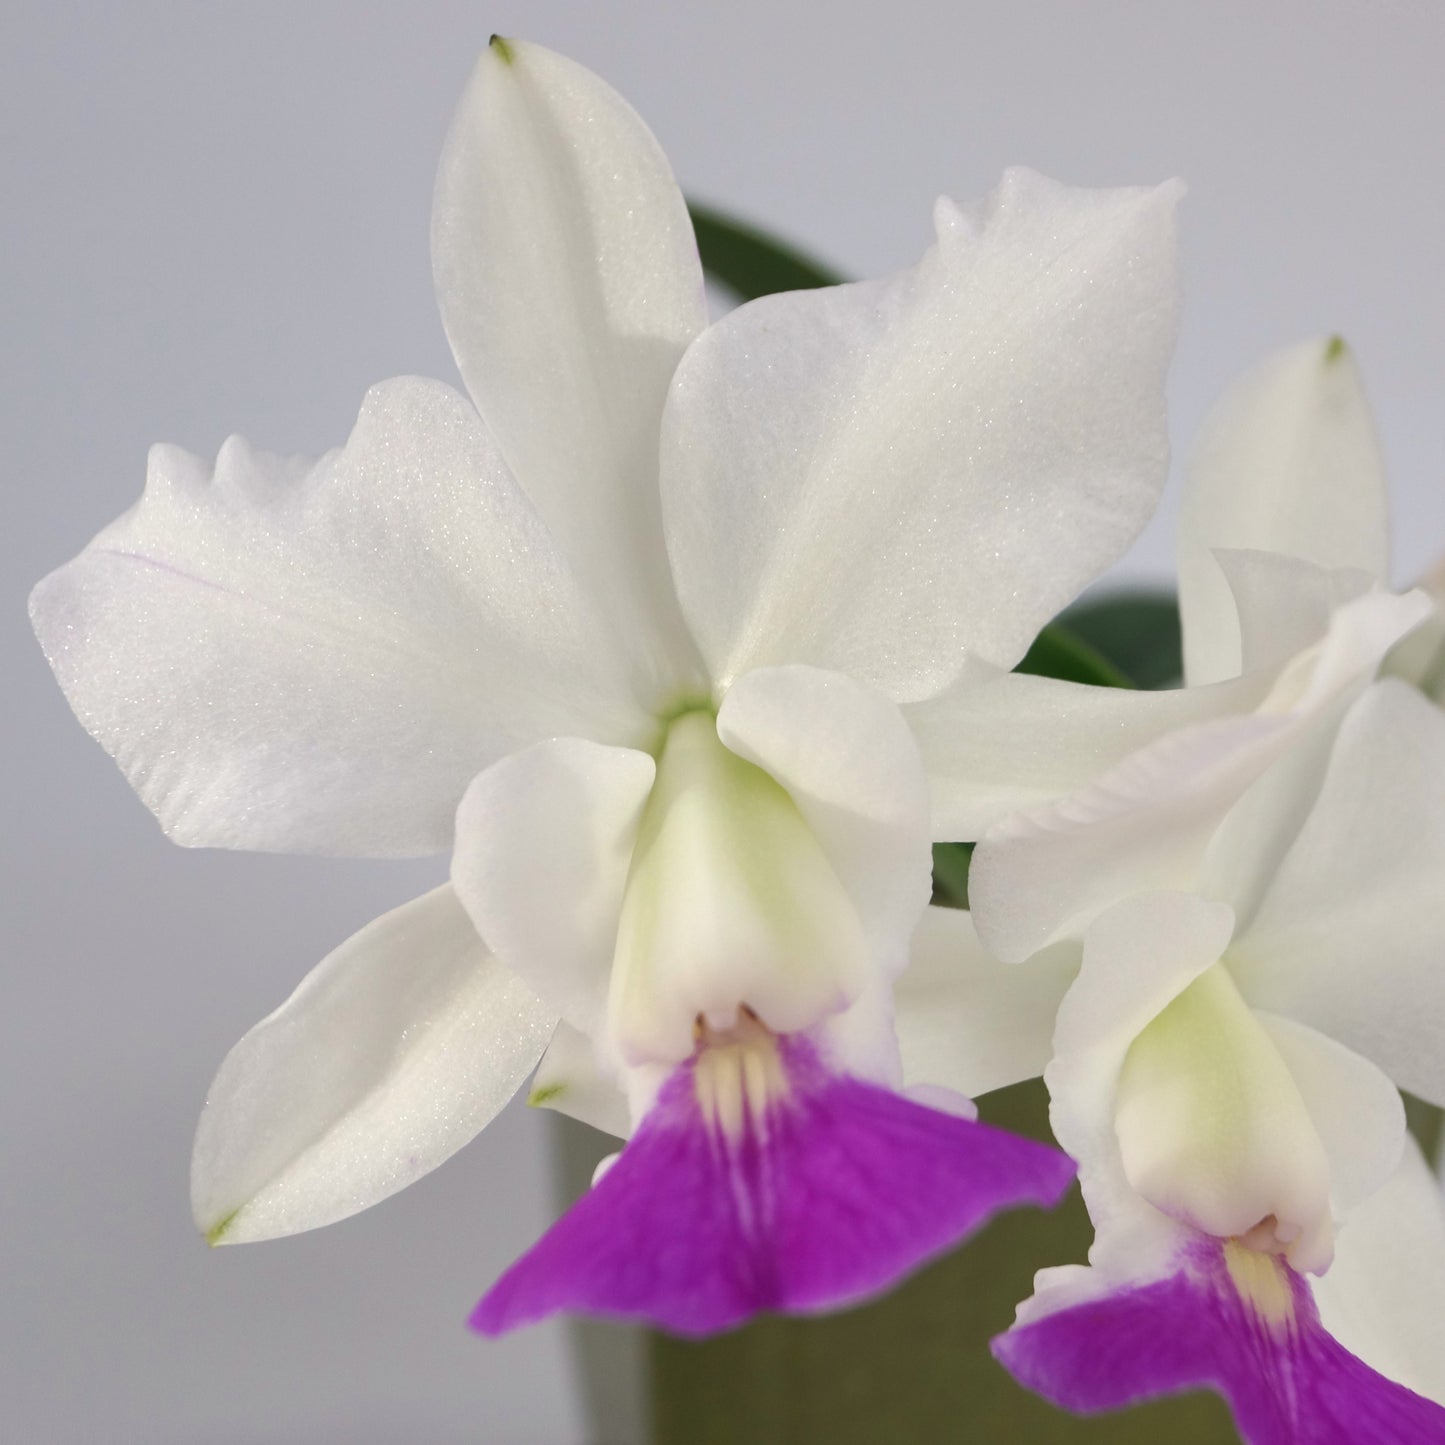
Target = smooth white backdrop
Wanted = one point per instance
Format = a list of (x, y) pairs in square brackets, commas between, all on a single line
[(214, 218)]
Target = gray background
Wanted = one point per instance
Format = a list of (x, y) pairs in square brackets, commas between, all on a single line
[(214, 218)]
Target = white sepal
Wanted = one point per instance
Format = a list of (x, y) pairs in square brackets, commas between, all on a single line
[(1287, 463), (393, 1053), (569, 284)]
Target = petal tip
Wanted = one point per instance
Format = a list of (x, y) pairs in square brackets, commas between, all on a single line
[(221, 1231), (504, 49)]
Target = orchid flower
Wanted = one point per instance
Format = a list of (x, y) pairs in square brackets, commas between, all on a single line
[(1283, 559), (1258, 905), (1222, 1072), (660, 638)]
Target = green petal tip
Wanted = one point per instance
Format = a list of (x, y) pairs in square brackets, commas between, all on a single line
[(216, 1234), (503, 48), (1335, 348)]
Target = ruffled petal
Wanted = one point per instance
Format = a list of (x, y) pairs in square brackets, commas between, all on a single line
[(394, 1052), (847, 760), (1288, 462), (967, 1022), (318, 658), (569, 285), (1347, 939), (544, 842), (1148, 823), (1241, 1324), (888, 478), (712, 1214), (1016, 741)]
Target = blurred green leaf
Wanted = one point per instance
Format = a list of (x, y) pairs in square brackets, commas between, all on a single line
[(1136, 631), (950, 873), (750, 262), (1427, 1124), (1059, 651), (913, 1366)]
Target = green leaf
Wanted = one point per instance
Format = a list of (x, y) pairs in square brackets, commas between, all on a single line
[(751, 263), (950, 873), (1427, 1124), (1136, 631), (915, 1365), (1058, 651)]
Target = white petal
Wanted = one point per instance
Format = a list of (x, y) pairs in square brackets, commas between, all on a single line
[(1283, 605), (850, 765), (968, 1022), (394, 1052), (1287, 462), (569, 285), (1348, 938), (569, 1080), (318, 660), (1356, 1111), (1382, 1296), (1017, 741), (869, 478), (1148, 823), (544, 842)]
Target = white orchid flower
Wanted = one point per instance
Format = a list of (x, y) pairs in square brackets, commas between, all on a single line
[(1260, 943), (1283, 559), (660, 643), (1224, 1071)]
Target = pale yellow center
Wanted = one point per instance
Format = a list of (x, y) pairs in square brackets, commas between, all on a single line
[(731, 903), (739, 1077), (1213, 1129), (1262, 1282)]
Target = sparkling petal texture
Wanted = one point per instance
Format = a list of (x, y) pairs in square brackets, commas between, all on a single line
[(834, 1194), (569, 284), (318, 659), (393, 1053), (1287, 1380), (1287, 463), (867, 478)]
